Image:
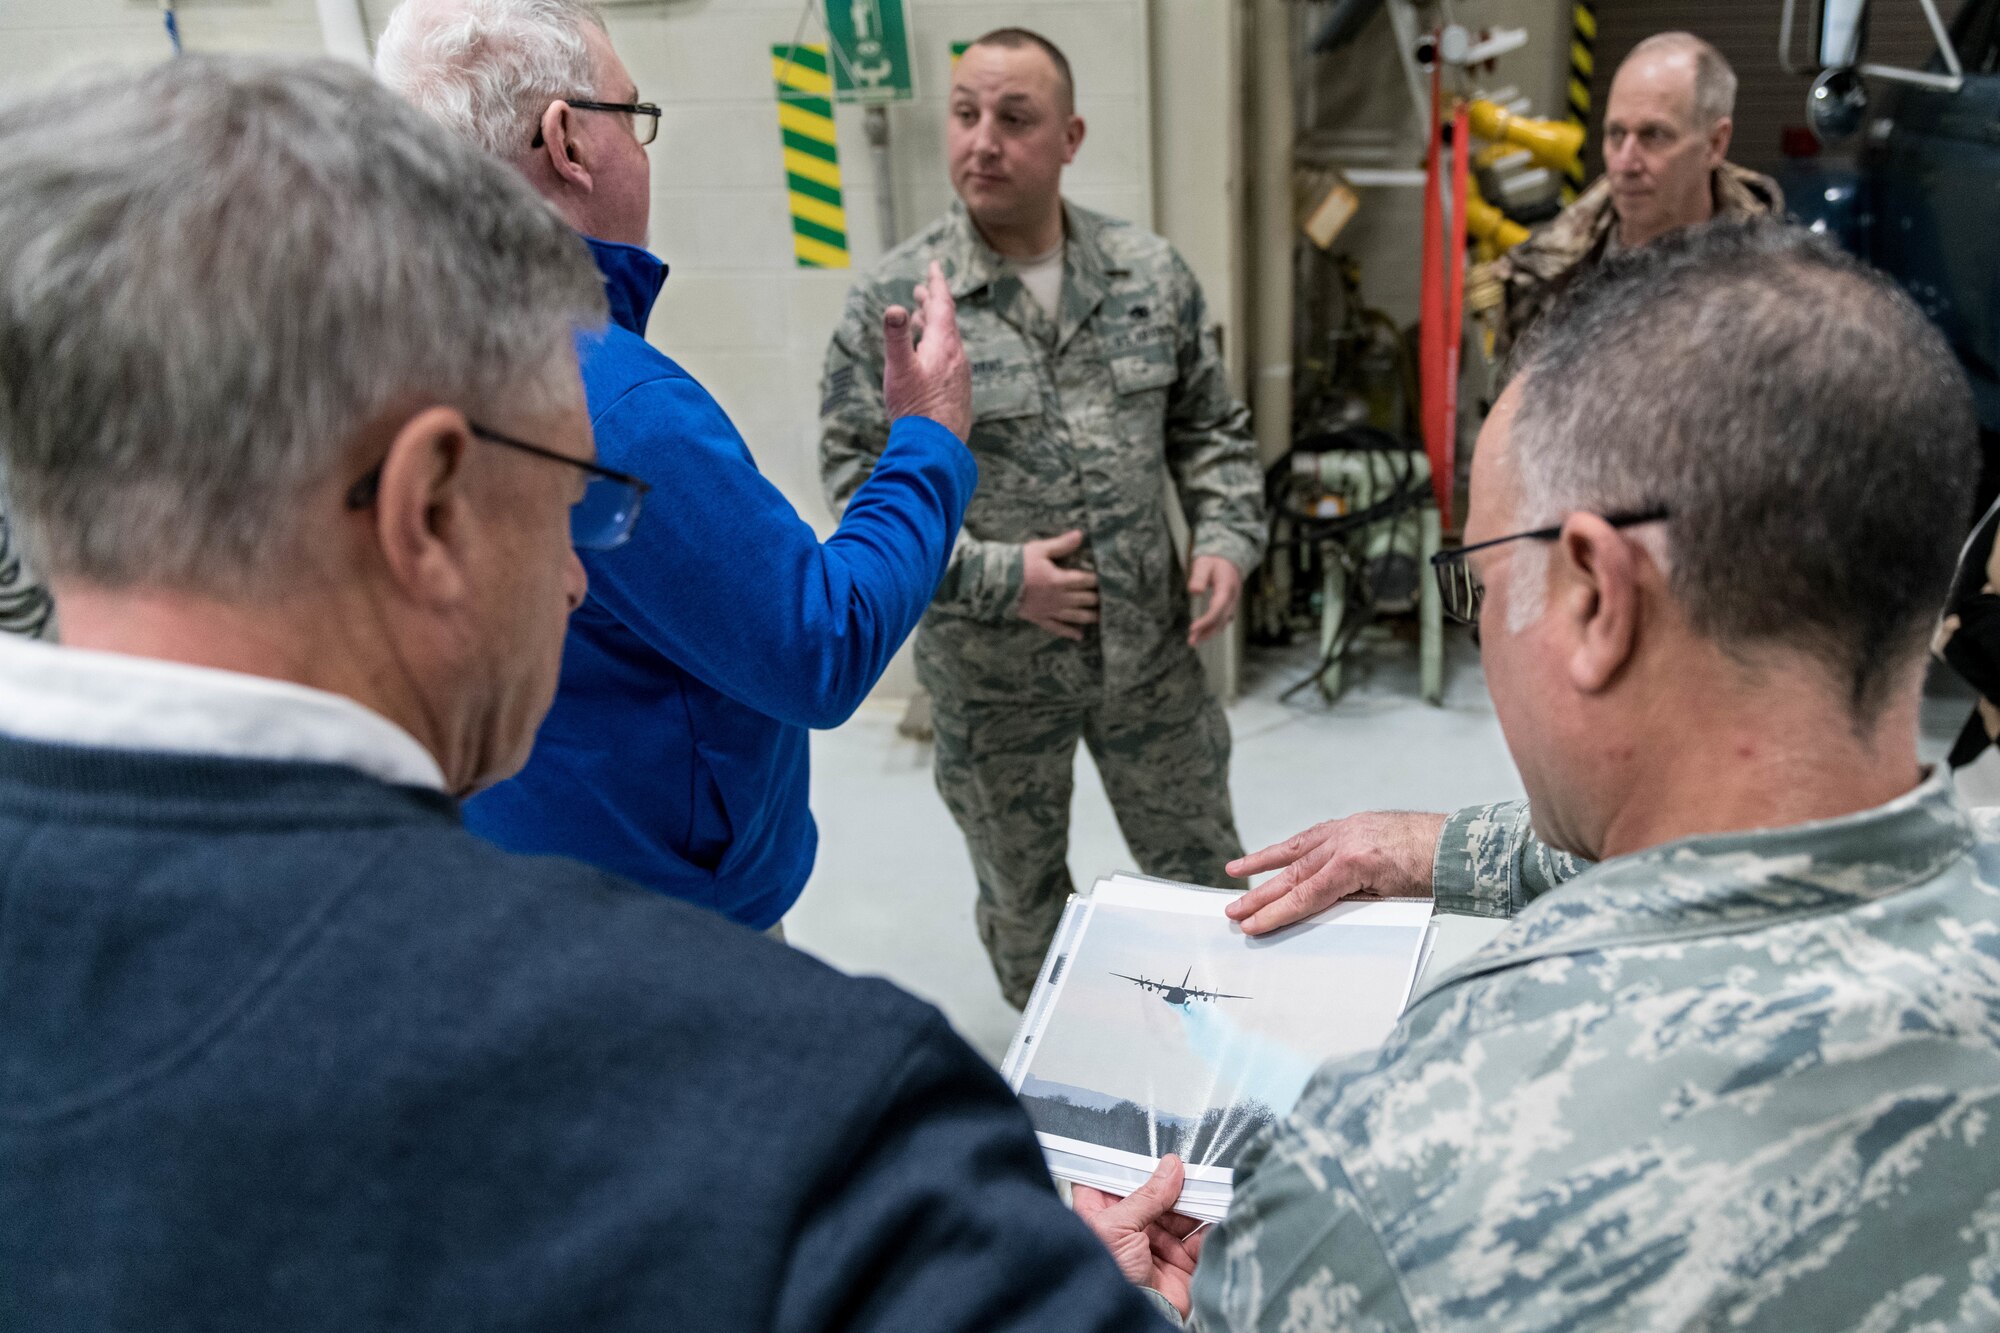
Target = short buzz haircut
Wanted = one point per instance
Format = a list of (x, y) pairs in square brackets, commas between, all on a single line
[(1714, 80), (1805, 426), (223, 270), (1014, 39)]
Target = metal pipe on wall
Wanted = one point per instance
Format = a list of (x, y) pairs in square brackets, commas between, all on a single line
[(877, 123)]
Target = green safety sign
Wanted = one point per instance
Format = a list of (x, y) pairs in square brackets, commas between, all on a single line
[(871, 50)]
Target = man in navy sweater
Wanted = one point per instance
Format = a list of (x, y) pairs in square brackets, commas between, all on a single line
[(290, 418), (676, 751)]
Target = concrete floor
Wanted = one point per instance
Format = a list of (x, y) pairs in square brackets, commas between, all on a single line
[(892, 892)]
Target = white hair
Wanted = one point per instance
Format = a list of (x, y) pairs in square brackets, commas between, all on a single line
[(488, 69), (217, 275)]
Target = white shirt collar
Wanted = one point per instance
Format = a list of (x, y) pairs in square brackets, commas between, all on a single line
[(77, 696)]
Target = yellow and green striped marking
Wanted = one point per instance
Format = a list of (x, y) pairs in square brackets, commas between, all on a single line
[(812, 160), (1582, 64)]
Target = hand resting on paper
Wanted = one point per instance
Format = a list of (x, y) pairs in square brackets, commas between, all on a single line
[(1153, 1245), (1388, 853)]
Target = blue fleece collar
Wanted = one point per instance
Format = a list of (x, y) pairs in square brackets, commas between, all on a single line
[(632, 281)]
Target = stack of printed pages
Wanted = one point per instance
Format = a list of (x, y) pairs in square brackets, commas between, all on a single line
[(1158, 1026)]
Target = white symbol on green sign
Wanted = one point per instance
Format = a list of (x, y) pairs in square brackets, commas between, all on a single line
[(871, 55)]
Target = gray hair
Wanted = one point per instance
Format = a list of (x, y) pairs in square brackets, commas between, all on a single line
[(1714, 80), (217, 274), (1806, 427), (488, 69)]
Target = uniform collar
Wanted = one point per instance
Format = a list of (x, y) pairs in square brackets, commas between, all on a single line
[(1726, 883), (632, 281), (973, 266)]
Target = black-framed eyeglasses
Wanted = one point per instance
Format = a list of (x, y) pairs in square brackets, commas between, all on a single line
[(645, 118), (1460, 587), (602, 519)]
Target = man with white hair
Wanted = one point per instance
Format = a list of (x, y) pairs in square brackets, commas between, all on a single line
[(1667, 126), (290, 417), (676, 752)]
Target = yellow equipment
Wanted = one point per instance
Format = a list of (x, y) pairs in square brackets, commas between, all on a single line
[(1556, 144), (1488, 225)]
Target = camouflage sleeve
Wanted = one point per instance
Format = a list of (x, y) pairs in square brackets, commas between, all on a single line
[(1210, 450), (1490, 863), (983, 579), (1299, 1252)]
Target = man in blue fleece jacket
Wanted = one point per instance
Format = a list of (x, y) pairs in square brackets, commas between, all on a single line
[(676, 753), (291, 421)]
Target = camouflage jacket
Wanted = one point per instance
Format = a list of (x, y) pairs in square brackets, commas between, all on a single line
[(25, 606), (1741, 1081), (1077, 424), (1534, 273)]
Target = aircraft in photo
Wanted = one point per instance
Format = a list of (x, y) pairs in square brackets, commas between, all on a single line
[(1182, 994)]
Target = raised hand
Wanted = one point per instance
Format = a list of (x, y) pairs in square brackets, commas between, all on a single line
[(1390, 853), (932, 378)]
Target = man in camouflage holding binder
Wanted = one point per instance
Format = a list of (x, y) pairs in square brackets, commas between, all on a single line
[(1739, 1065), (1097, 380)]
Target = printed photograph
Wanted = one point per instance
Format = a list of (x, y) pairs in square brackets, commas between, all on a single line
[(1175, 1033)]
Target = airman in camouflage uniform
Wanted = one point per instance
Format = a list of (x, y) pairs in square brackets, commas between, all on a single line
[(1080, 422), (1743, 1071), (1738, 1081)]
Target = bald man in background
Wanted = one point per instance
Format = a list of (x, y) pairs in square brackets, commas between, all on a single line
[(1667, 127)]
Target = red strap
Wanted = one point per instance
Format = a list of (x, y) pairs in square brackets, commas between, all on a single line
[(1433, 308), (1454, 323)]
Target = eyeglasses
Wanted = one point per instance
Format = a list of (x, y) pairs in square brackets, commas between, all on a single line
[(644, 130), (602, 519), (1463, 592)]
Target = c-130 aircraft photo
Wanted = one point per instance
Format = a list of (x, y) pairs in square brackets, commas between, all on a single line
[(1182, 994)]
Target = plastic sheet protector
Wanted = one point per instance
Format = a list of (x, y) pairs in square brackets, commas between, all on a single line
[(1157, 1026)]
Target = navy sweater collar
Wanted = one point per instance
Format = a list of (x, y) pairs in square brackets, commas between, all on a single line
[(632, 281)]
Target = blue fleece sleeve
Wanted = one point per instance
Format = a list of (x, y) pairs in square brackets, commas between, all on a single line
[(724, 578)]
